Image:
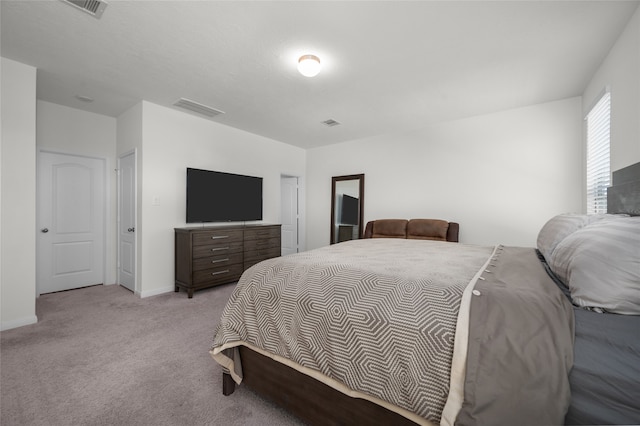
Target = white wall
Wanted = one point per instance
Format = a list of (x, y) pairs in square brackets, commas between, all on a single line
[(18, 195), (173, 141), (501, 176), (620, 71), (72, 131)]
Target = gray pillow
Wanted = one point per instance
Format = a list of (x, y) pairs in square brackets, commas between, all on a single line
[(562, 225), (600, 263)]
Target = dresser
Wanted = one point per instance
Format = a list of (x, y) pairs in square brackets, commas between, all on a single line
[(206, 257)]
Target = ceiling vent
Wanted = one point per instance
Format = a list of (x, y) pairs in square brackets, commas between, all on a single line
[(92, 7), (197, 108), (331, 122)]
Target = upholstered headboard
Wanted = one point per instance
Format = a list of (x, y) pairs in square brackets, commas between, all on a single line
[(623, 196), (420, 229)]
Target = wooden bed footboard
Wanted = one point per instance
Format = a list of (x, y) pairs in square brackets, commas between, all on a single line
[(307, 398)]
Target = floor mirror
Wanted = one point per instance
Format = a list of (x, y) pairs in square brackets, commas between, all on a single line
[(347, 202)]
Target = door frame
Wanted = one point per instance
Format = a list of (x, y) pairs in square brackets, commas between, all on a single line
[(105, 206), (133, 152)]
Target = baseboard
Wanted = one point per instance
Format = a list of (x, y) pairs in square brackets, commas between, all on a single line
[(8, 325), (156, 292)]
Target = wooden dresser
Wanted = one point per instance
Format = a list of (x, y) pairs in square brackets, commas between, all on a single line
[(206, 257)]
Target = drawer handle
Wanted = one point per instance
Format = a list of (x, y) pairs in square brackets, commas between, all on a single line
[(220, 260), (220, 272), (217, 237), (220, 248)]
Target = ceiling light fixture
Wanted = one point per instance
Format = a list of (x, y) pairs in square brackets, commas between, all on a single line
[(309, 65)]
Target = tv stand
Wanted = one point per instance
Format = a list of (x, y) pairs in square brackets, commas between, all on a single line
[(211, 256)]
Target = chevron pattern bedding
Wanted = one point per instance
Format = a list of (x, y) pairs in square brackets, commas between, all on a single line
[(376, 316)]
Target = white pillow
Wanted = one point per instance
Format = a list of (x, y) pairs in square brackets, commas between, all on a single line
[(600, 263)]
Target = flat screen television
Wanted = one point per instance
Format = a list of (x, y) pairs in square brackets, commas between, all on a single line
[(349, 213), (222, 197)]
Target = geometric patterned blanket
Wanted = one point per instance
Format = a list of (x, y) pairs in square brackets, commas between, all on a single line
[(375, 315)]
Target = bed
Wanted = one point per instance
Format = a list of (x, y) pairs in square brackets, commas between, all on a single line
[(392, 331)]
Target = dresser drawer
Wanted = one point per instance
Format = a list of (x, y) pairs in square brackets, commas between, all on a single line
[(259, 257), (250, 263), (261, 244), (261, 254), (225, 249), (217, 237), (261, 233), (222, 274), (216, 261)]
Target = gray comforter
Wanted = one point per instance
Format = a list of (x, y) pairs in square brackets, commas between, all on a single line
[(378, 319)]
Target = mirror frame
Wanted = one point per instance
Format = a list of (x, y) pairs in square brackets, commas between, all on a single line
[(334, 180)]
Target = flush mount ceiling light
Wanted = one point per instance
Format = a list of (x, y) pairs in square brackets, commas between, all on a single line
[(309, 65)]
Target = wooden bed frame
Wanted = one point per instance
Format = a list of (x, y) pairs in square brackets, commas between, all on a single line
[(307, 398), (316, 403)]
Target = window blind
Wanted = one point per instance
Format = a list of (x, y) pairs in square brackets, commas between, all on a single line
[(598, 165)]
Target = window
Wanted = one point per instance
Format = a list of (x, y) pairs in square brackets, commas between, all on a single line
[(598, 168)]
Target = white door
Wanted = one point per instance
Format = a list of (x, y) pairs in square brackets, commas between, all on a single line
[(289, 214), (71, 200), (127, 222)]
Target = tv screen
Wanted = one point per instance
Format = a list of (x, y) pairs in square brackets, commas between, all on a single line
[(349, 214), (222, 197)]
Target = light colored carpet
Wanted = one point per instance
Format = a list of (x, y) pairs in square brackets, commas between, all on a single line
[(102, 356)]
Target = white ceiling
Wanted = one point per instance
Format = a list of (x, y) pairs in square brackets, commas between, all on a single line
[(388, 66)]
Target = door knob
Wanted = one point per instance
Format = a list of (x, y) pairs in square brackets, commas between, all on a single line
[(131, 229), (44, 230)]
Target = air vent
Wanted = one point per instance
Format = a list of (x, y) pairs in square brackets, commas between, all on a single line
[(197, 108), (331, 122), (92, 7)]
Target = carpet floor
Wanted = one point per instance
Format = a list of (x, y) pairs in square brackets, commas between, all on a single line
[(102, 356)]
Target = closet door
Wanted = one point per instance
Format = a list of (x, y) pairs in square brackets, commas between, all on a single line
[(127, 222), (289, 214), (71, 200)]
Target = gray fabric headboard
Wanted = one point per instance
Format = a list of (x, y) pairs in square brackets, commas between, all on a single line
[(623, 196)]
